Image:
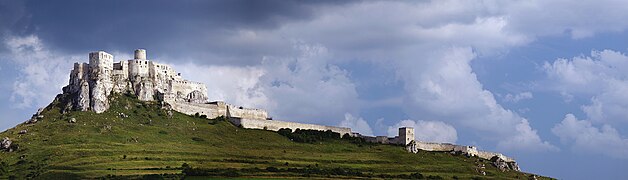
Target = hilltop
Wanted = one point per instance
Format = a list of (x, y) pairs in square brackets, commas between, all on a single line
[(136, 139)]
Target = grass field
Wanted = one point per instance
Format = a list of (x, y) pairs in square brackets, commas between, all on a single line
[(150, 144)]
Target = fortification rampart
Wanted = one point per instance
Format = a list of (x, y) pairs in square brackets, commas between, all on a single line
[(246, 113), (209, 110), (430, 146), (275, 125)]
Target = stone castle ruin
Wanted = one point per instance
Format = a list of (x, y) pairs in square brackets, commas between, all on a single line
[(92, 83)]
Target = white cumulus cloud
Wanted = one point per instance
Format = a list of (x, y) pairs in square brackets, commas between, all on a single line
[(302, 88), (586, 138), (357, 124), (601, 78), (42, 72)]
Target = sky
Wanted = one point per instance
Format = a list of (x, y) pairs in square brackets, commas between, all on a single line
[(542, 81)]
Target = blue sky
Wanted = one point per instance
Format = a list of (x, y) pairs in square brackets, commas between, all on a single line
[(541, 81)]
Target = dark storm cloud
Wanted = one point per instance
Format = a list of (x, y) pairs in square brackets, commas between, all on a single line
[(12, 16), (173, 28)]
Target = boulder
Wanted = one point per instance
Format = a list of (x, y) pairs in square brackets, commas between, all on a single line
[(72, 120), (5, 144), (411, 147), (23, 131), (31, 120)]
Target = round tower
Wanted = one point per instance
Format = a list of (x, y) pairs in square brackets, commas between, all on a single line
[(140, 54)]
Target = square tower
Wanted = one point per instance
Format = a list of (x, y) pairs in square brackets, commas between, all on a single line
[(101, 64), (406, 135), (101, 59)]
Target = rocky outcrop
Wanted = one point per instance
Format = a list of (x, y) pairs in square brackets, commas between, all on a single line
[(36, 117), (503, 165), (7, 145), (144, 89)]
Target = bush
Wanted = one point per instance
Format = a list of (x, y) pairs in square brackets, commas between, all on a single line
[(272, 169), (197, 139), (308, 136), (152, 177), (203, 116)]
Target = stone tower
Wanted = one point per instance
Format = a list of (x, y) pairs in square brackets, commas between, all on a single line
[(140, 54), (406, 135)]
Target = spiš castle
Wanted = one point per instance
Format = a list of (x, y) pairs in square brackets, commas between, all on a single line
[(92, 83)]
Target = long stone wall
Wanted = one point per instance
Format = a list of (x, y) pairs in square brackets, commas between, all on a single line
[(275, 125), (430, 146), (247, 113), (209, 110)]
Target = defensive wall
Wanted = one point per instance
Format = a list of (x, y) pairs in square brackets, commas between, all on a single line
[(275, 125), (216, 109)]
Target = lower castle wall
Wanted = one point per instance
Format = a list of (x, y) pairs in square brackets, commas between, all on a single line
[(429, 146), (210, 110), (274, 125), (246, 113)]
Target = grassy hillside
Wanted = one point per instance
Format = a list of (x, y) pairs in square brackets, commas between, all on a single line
[(150, 144)]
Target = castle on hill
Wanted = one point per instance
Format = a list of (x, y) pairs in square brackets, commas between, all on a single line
[(92, 83)]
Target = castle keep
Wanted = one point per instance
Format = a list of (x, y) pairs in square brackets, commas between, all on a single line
[(92, 83)]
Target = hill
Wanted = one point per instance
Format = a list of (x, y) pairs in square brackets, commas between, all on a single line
[(136, 139)]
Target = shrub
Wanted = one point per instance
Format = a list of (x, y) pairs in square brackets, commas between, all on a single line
[(197, 139), (272, 169)]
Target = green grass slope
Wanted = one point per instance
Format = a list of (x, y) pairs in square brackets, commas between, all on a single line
[(150, 144)]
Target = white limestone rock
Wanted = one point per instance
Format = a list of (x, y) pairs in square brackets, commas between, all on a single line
[(5, 143), (99, 96), (144, 90)]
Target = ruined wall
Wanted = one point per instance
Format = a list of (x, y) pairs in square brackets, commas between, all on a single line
[(470, 150), (275, 125), (210, 110), (183, 87), (246, 113), (430, 146), (377, 139)]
